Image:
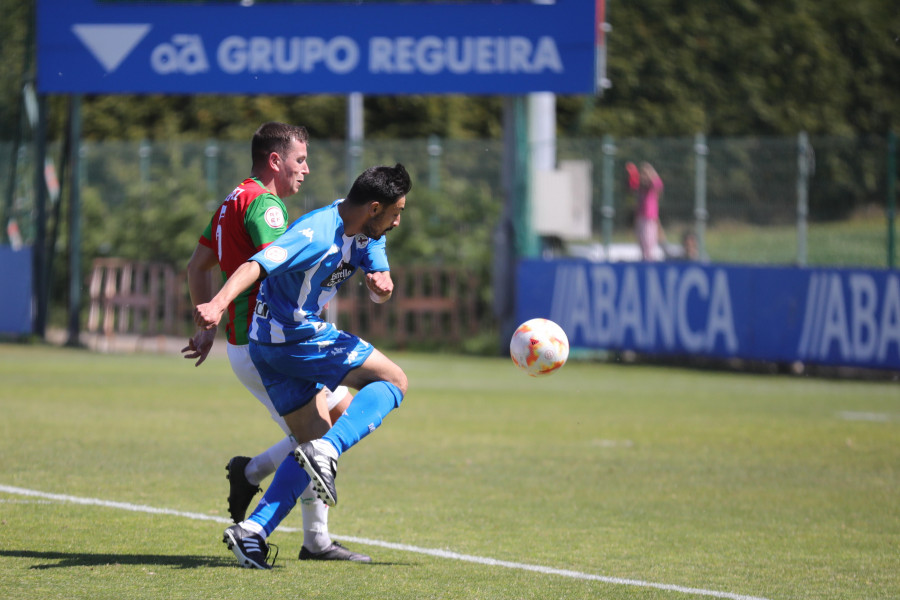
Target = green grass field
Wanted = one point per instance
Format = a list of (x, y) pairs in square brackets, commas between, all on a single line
[(858, 242), (861, 241), (603, 481)]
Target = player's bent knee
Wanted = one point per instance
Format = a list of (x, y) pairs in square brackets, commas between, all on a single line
[(401, 381), (395, 375)]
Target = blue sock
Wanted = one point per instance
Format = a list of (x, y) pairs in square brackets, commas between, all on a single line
[(289, 482), (365, 413)]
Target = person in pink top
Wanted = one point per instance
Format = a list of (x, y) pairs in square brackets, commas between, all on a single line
[(648, 187)]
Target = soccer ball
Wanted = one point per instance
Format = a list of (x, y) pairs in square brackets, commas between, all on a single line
[(539, 347)]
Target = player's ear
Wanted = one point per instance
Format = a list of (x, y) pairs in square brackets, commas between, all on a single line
[(274, 161), (374, 208)]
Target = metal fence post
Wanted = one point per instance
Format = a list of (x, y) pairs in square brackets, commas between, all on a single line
[(355, 135), (527, 242), (891, 195), (802, 198), (212, 166), (40, 283), (74, 246), (144, 151), (608, 210), (435, 150), (701, 215)]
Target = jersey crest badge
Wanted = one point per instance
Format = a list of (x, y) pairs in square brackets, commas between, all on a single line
[(274, 217)]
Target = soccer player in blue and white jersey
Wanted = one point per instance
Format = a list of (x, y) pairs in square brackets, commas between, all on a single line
[(252, 217), (296, 351)]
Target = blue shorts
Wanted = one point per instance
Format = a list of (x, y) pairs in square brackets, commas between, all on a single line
[(294, 372)]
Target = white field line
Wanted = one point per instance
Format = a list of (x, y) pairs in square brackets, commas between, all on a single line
[(402, 547), (123, 506)]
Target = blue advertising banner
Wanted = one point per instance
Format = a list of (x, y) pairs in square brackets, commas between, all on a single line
[(15, 302), (845, 317), (105, 46)]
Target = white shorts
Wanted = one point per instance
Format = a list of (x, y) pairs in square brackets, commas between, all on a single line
[(243, 367), (647, 231)]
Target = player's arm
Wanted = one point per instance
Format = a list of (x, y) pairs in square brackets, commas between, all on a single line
[(200, 286), (378, 271), (202, 261), (656, 182), (209, 314), (380, 285)]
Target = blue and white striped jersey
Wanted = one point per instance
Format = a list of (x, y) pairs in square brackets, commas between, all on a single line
[(305, 267)]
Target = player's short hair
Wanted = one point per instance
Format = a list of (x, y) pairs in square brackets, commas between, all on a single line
[(383, 184), (275, 137)]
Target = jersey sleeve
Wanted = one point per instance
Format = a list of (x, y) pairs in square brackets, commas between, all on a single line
[(297, 250), (375, 257), (206, 237), (265, 220)]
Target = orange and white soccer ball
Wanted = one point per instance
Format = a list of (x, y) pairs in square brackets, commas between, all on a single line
[(539, 347)]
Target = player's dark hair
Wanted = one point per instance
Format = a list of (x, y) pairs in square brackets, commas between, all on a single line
[(383, 184), (275, 137)]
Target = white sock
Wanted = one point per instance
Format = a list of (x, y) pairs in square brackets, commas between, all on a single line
[(326, 447), (253, 527), (264, 464), (315, 521)]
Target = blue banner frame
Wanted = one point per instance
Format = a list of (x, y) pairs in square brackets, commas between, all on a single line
[(847, 317), (88, 46)]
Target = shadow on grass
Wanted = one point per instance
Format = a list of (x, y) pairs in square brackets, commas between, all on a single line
[(82, 559)]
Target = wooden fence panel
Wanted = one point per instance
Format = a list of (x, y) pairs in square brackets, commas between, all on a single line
[(137, 298), (430, 305)]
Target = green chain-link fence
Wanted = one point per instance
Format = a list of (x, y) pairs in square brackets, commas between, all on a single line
[(749, 202), (814, 201)]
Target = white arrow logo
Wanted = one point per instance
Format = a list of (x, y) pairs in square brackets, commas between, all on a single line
[(111, 44)]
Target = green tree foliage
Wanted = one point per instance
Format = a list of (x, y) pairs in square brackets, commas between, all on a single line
[(128, 217), (14, 61), (747, 68)]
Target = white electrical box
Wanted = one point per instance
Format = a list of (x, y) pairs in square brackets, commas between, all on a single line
[(561, 201)]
